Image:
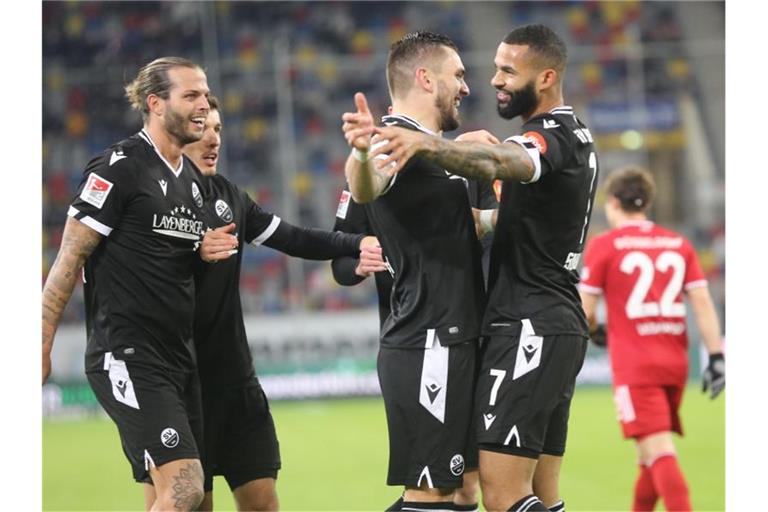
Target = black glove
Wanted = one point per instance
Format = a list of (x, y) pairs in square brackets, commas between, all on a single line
[(598, 336), (714, 375)]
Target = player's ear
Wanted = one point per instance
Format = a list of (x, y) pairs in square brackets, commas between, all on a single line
[(155, 104), (424, 79), (547, 78)]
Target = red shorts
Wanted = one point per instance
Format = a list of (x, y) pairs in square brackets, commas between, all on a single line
[(645, 410)]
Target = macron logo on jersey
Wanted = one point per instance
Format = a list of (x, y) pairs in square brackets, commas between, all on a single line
[(550, 123), (116, 157), (96, 190)]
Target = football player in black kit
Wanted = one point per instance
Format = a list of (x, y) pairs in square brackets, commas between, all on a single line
[(133, 228), (352, 270), (426, 361), (534, 323), (239, 433)]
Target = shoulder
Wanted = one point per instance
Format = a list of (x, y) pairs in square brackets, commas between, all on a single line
[(119, 159)]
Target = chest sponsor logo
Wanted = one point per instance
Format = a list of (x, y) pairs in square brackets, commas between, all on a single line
[(196, 195), (164, 186), (169, 437), (96, 190), (538, 140), (223, 211), (180, 222), (341, 210)]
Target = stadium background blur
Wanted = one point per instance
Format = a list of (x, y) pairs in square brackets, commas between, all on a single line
[(646, 77)]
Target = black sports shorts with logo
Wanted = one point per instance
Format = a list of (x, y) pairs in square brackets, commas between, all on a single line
[(428, 402), (524, 390), (240, 439), (158, 413)]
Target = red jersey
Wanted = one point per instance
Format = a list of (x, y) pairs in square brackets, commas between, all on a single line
[(642, 270)]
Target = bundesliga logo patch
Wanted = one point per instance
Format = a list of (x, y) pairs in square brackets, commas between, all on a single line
[(197, 196), (341, 211), (96, 190)]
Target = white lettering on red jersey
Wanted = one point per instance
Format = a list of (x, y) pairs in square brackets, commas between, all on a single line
[(642, 269)]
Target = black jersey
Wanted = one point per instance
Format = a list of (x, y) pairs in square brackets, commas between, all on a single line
[(139, 290), (541, 229), (352, 217), (219, 331), (424, 224)]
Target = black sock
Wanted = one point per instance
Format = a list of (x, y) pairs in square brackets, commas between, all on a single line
[(466, 508), (397, 505), (427, 506), (558, 507), (529, 503)]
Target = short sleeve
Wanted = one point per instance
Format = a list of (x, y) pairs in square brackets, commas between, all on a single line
[(694, 275), (259, 225), (594, 270), (103, 192), (547, 142), (351, 216)]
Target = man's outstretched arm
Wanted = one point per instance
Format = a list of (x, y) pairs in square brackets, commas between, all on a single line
[(474, 160), (78, 242)]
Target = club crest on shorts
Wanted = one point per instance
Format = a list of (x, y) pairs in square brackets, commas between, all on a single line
[(457, 464), (169, 438), (223, 211), (196, 195)]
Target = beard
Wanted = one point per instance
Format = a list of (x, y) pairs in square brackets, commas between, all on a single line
[(449, 116), (522, 102), (177, 125)]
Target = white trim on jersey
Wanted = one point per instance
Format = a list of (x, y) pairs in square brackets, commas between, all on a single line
[(90, 222), (147, 138), (699, 283), (533, 153), (409, 120), (264, 236), (562, 109), (594, 290)]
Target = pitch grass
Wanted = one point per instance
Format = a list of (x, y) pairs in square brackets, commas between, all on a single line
[(335, 455)]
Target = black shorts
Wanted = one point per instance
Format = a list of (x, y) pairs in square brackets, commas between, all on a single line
[(240, 439), (428, 401), (158, 413), (524, 392)]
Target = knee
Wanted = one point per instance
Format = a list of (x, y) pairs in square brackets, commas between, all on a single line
[(261, 502), (493, 501)]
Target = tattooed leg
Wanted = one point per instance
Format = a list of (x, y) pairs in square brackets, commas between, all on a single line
[(178, 485)]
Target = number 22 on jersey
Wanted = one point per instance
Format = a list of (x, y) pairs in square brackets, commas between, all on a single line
[(637, 306)]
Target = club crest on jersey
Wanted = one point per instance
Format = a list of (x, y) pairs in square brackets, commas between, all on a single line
[(169, 437), (96, 190), (223, 211), (196, 195), (538, 140), (457, 464)]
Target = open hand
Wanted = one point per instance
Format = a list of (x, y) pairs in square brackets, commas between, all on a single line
[(219, 244)]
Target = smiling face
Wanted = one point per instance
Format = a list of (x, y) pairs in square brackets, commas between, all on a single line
[(515, 81), (205, 152), (185, 111), (451, 88)]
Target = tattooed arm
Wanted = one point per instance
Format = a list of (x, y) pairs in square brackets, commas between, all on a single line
[(77, 243), (469, 159)]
